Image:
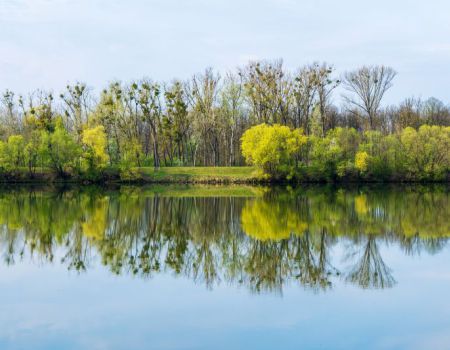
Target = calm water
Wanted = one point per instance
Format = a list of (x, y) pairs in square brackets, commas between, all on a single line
[(225, 268)]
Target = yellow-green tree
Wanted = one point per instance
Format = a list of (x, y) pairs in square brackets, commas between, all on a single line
[(94, 143), (60, 148), (361, 161), (426, 151), (12, 152), (274, 148)]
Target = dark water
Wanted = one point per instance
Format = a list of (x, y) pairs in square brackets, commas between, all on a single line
[(225, 268)]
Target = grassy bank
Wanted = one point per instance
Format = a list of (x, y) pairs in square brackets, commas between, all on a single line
[(201, 175)]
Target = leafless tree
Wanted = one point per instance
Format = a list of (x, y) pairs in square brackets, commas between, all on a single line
[(77, 102), (367, 86), (202, 94)]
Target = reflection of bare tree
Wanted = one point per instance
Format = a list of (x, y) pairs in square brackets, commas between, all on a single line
[(371, 271), (415, 245), (266, 265), (313, 265)]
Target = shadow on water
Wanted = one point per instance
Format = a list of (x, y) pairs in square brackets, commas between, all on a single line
[(260, 238)]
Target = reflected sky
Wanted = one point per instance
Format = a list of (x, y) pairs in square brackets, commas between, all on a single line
[(55, 305)]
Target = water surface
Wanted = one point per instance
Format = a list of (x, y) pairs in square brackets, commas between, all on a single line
[(215, 267)]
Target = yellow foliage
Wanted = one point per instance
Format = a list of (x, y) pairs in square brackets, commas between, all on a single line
[(273, 221), (361, 161), (94, 139), (361, 204), (271, 146), (94, 227)]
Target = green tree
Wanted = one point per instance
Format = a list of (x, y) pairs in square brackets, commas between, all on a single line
[(61, 149), (427, 151), (333, 156)]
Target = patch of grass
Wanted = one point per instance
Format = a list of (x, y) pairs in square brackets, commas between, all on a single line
[(200, 174)]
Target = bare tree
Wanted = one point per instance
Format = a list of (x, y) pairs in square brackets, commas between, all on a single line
[(367, 86), (76, 103), (9, 118), (435, 112), (325, 86), (304, 94), (202, 95), (232, 113), (267, 89)]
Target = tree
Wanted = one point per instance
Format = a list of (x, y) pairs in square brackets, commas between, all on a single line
[(61, 149), (76, 101), (108, 113), (426, 151), (203, 91), (38, 109), (150, 105), (304, 92), (368, 85), (361, 161), (325, 84), (232, 113), (333, 156), (33, 151), (436, 113), (267, 90), (10, 123), (15, 150), (273, 148), (94, 142), (176, 121), (408, 114)]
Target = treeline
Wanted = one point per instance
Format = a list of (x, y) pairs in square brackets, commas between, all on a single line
[(199, 121), (344, 154)]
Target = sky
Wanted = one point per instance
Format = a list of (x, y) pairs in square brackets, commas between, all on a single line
[(47, 44)]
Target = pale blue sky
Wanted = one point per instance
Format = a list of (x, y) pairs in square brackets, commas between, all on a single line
[(48, 43)]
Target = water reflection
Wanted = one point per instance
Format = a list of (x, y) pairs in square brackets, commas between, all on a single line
[(256, 237)]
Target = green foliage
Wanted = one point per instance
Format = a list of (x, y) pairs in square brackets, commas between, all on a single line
[(333, 156), (60, 149), (131, 158), (33, 151), (12, 152), (426, 151), (274, 148)]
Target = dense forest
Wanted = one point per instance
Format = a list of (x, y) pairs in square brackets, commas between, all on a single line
[(300, 131)]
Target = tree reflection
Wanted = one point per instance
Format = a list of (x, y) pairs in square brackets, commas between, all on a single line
[(370, 271), (264, 241)]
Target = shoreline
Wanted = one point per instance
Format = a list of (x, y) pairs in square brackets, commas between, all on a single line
[(175, 175)]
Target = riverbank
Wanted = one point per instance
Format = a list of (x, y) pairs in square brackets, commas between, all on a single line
[(184, 175), (193, 175)]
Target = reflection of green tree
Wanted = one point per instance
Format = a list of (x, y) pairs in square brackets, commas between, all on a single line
[(263, 243)]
